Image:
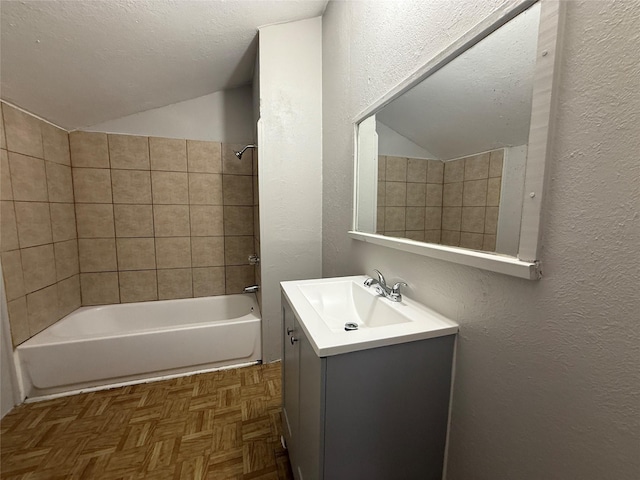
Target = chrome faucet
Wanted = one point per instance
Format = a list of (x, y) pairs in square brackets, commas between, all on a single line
[(381, 287)]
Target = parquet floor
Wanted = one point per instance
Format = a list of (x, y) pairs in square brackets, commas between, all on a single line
[(220, 425)]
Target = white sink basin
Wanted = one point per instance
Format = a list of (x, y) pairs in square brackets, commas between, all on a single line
[(324, 306), (346, 301)]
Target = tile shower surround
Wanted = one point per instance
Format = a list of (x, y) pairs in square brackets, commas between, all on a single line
[(91, 218), (451, 203)]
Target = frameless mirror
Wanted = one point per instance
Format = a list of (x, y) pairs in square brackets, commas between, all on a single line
[(447, 160)]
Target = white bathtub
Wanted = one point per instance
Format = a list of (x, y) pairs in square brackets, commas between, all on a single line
[(115, 344)]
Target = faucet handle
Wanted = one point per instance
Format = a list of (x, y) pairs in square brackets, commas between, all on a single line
[(395, 295), (396, 287)]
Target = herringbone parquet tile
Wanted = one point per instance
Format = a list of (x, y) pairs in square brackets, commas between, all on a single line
[(220, 425)]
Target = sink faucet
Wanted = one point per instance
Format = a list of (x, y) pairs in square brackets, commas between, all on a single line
[(381, 287)]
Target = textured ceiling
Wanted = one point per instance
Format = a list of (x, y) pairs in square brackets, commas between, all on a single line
[(79, 62)]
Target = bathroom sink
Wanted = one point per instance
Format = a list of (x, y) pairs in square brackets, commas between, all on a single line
[(325, 306), (347, 301)]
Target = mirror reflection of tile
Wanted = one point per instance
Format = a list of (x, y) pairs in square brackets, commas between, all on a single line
[(451, 203)]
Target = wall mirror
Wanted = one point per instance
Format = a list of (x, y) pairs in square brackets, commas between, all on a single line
[(451, 163)]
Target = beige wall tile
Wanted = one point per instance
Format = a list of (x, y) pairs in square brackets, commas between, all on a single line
[(206, 188), (129, 152), (92, 185), (8, 227), (208, 281), (454, 171), (34, 223), (382, 194), (89, 149), (237, 221), (175, 283), (380, 219), (173, 252), (394, 218), (452, 194), (42, 309), (63, 221), (434, 195), (18, 320), (23, 132), (136, 253), (472, 219), (432, 236), (234, 166), (168, 154), (99, 288), (133, 220), (237, 190), (67, 262), (69, 298), (208, 251), (382, 168), (489, 243), (170, 188), (97, 255), (396, 234), (451, 238), (451, 218), (238, 277), (95, 220), (205, 157), (433, 218), (56, 144), (171, 220), (131, 186), (435, 171), (207, 221), (12, 273), (474, 193), (6, 192), (493, 192), (237, 250), (28, 178), (495, 163), (396, 169), (417, 170), (476, 168), (491, 220), (415, 218), (417, 235), (471, 240), (3, 138), (416, 194), (396, 194), (139, 286), (59, 183)]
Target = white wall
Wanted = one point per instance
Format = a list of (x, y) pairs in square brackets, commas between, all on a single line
[(290, 164), (547, 383), (225, 116), (9, 391), (392, 143)]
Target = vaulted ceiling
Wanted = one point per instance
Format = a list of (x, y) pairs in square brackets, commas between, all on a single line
[(81, 62)]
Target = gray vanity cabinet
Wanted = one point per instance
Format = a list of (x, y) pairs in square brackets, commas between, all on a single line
[(380, 413)]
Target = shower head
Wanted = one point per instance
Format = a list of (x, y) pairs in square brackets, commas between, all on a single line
[(239, 154)]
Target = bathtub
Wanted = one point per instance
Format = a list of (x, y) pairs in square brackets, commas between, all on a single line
[(112, 345)]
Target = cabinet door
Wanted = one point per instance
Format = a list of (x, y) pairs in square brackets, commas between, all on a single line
[(290, 379)]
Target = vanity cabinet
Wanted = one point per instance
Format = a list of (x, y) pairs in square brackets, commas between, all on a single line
[(380, 413)]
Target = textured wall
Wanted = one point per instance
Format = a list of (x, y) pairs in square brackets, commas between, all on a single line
[(547, 382)]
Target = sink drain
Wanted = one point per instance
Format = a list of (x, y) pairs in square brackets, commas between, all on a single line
[(350, 326)]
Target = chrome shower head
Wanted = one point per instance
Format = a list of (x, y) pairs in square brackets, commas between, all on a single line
[(239, 154)]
